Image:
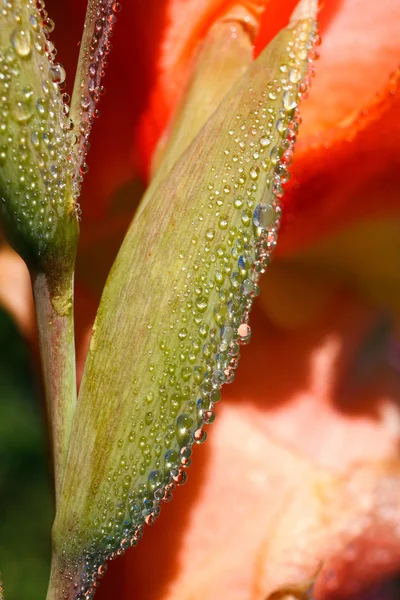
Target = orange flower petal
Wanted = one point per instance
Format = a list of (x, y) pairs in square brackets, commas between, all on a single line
[(360, 49), (15, 290), (346, 174)]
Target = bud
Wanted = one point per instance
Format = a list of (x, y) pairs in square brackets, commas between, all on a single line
[(37, 173)]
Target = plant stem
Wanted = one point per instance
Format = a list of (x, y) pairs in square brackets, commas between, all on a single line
[(54, 315)]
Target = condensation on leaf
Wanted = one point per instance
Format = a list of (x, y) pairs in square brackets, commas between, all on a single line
[(37, 169), (95, 49), (175, 313)]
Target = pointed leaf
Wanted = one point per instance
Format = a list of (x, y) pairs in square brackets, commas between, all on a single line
[(175, 311), (88, 88)]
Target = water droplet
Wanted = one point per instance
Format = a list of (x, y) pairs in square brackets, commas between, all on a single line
[(182, 430), (281, 126), (200, 436), (294, 76), (227, 333), (218, 377), (48, 25), (85, 102), (254, 172), (246, 217), (264, 216), (171, 459), (244, 332), (182, 333), (201, 304), (3, 155), (57, 73), (247, 286), (238, 203), (23, 109), (208, 417), (289, 101), (275, 155), (223, 222), (155, 479), (186, 373), (265, 141), (21, 42)]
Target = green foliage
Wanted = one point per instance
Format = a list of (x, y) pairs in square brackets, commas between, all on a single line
[(26, 509)]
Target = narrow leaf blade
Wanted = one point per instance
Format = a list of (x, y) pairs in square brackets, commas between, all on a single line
[(88, 89), (175, 311)]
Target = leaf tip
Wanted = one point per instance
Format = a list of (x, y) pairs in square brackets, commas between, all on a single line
[(305, 9)]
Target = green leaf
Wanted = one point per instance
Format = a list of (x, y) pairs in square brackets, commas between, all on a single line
[(88, 89), (175, 311), (26, 504)]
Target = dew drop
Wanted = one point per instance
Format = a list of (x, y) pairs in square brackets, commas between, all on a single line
[(264, 216), (223, 222), (182, 333), (227, 333), (23, 109), (275, 155), (201, 304), (294, 76), (209, 417), (186, 373), (85, 103), (21, 42), (246, 217), (238, 202), (244, 332), (171, 459), (57, 73), (289, 101), (200, 436), (265, 141), (254, 172), (183, 433), (247, 286)]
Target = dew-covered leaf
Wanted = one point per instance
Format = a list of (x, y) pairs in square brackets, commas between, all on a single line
[(37, 208), (175, 312), (88, 89)]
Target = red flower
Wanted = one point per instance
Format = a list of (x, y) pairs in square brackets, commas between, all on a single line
[(301, 476)]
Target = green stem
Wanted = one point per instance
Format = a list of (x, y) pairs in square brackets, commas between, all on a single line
[(56, 583), (54, 315)]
